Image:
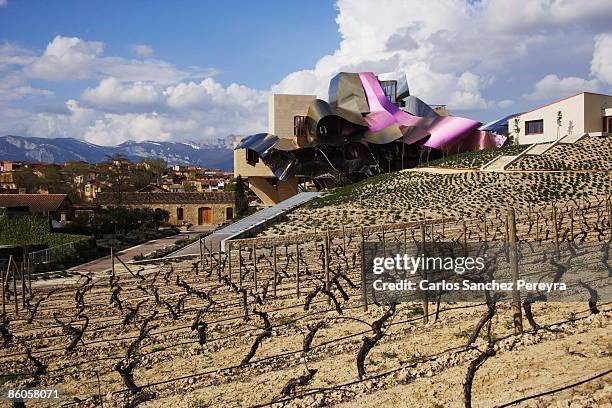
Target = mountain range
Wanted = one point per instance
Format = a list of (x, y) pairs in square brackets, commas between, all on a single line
[(61, 150)]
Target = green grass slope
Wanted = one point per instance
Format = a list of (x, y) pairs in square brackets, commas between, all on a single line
[(475, 160)]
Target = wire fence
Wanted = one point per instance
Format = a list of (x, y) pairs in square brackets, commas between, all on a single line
[(263, 292), (50, 258)]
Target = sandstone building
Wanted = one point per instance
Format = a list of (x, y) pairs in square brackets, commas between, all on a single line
[(197, 208)]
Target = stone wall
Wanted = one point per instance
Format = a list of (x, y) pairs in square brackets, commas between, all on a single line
[(190, 212)]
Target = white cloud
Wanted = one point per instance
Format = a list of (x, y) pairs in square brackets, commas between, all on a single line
[(12, 54), (553, 87), (479, 58), (116, 111), (191, 95), (3, 3), (456, 52), (13, 86), (68, 58), (304, 82), (536, 16), (209, 94), (111, 129), (601, 64), (113, 94), (142, 50), (114, 129), (68, 124)]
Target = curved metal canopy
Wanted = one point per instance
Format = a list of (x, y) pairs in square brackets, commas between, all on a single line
[(360, 127)]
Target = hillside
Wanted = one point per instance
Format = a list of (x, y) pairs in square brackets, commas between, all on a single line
[(474, 160), (410, 195), (432, 193), (590, 153), (61, 150), (287, 321)]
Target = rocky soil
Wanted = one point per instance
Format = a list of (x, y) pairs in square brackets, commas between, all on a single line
[(426, 363)]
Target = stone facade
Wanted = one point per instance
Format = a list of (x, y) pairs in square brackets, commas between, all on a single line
[(281, 111), (191, 213), (212, 208)]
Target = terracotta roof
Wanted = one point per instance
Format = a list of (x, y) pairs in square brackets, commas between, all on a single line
[(36, 202), (152, 188), (166, 198)]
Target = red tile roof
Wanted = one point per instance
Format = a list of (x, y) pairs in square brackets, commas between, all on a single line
[(36, 202)]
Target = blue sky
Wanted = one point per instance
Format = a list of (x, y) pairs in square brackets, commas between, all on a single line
[(249, 42), (108, 71), (255, 43)]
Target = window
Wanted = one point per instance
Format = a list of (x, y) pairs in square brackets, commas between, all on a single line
[(229, 213), (607, 124), (390, 89), (179, 213), (533, 127), (252, 157), (299, 126)]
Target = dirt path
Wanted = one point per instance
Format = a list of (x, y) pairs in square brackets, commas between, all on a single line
[(438, 170), (104, 263)]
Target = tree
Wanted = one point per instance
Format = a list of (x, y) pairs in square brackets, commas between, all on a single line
[(152, 170), (559, 122), (156, 166), (76, 175), (60, 181), (517, 128), (189, 186), (241, 200), (78, 168), (119, 176), (160, 216), (25, 178)]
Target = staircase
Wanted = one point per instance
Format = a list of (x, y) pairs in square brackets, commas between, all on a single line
[(500, 163)]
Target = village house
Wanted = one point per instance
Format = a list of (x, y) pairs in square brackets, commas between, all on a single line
[(8, 165), (58, 207), (195, 208)]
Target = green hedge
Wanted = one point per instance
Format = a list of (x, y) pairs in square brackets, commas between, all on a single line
[(58, 238), (32, 230)]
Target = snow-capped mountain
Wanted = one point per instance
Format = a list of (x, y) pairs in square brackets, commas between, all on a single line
[(62, 150)]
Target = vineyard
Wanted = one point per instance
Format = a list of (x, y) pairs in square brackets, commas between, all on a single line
[(411, 196), (285, 321)]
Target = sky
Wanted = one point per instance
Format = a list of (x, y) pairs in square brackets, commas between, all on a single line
[(111, 71)]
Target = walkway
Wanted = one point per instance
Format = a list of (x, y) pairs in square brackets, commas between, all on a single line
[(501, 163), (438, 170), (104, 263)]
